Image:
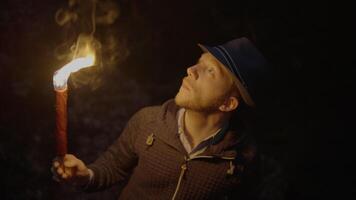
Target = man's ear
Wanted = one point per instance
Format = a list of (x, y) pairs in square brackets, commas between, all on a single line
[(229, 104)]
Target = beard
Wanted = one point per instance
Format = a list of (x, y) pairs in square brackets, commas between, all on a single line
[(197, 103)]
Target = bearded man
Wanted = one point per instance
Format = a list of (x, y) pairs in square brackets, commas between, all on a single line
[(189, 147)]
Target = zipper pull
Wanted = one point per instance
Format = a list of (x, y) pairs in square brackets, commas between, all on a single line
[(150, 139), (184, 167), (230, 171)]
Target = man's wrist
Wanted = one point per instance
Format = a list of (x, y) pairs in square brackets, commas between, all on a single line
[(88, 180)]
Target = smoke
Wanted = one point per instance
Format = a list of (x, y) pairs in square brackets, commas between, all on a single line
[(90, 23), (108, 13)]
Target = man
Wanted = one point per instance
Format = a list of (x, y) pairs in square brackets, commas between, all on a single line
[(189, 147)]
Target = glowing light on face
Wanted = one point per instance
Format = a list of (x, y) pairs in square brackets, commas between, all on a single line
[(61, 76)]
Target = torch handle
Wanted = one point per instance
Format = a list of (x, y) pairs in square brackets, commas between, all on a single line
[(61, 122)]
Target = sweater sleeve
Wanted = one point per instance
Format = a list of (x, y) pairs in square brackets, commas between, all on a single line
[(117, 162)]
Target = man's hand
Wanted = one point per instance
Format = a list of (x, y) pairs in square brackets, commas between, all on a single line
[(70, 169)]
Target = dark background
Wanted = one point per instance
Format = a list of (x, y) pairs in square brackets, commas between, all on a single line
[(156, 41)]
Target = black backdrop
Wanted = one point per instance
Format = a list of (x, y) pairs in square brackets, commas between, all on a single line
[(156, 40)]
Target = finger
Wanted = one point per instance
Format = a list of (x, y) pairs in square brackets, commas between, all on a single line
[(56, 164), (64, 176), (57, 159), (59, 171)]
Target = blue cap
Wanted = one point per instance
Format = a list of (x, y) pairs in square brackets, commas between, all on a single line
[(245, 62)]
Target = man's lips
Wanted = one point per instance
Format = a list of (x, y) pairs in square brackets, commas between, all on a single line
[(185, 84)]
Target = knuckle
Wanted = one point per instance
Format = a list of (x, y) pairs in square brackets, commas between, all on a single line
[(70, 156)]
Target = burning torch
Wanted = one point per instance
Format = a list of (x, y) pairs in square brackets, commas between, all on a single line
[(60, 79)]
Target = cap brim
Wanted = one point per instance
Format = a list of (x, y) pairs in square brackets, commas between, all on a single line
[(243, 91)]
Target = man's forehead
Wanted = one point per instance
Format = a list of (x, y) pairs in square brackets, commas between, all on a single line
[(208, 57)]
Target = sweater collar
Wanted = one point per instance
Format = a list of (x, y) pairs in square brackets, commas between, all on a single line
[(220, 147), (168, 128)]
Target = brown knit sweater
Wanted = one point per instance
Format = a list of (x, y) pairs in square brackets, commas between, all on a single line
[(150, 159)]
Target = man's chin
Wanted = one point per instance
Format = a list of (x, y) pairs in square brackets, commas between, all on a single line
[(183, 102), (179, 100)]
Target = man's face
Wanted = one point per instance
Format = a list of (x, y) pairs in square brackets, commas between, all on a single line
[(206, 85)]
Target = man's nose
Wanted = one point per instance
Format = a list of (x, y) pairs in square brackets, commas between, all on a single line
[(192, 72)]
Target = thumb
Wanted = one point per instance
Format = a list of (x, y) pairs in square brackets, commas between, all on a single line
[(74, 163)]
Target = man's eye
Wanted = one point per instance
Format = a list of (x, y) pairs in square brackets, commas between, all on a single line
[(210, 70)]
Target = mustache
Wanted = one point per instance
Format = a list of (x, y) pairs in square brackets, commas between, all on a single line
[(187, 84)]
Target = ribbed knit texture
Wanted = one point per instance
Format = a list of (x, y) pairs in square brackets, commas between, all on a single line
[(152, 170)]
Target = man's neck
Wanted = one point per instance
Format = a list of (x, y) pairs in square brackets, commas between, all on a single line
[(199, 125)]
